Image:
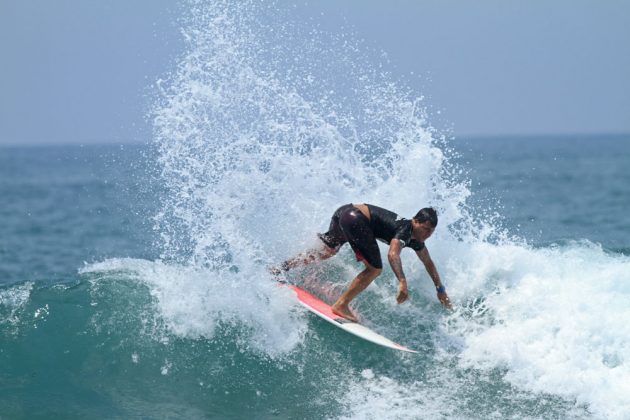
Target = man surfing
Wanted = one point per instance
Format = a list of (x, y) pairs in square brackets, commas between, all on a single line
[(361, 225)]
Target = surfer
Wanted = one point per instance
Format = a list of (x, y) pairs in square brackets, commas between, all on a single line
[(361, 225)]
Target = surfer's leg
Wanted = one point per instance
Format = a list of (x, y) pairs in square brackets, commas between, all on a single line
[(359, 284), (305, 258), (357, 230), (331, 242)]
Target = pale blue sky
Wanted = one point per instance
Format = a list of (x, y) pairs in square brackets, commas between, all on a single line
[(78, 71)]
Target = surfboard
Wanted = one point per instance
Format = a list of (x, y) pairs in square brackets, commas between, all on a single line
[(324, 311)]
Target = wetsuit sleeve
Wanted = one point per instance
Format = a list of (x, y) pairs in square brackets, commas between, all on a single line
[(403, 234)]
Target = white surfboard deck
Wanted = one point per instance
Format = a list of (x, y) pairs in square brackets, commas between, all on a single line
[(323, 310)]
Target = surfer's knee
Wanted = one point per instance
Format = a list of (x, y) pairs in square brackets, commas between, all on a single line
[(372, 272), (327, 252)]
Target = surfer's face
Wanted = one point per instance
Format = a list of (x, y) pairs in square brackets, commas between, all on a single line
[(422, 231)]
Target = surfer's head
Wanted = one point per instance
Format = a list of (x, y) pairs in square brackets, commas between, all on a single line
[(427, 214), (424, 223)]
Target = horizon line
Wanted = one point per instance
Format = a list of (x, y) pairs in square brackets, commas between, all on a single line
[(137, 142)]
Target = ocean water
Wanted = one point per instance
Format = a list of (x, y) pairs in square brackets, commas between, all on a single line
[(133, 279)]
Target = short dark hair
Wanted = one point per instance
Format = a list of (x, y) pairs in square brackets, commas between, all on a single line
[(427, 213)]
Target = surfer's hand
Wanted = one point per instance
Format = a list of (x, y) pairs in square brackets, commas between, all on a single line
[(444, 300), (403, 293)]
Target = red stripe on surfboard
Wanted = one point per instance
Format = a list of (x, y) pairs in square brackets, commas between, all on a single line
[(315, 303), (323, 308)]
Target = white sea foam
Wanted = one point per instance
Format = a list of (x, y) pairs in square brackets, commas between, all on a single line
[(555, 319), (379, 397), (444, 392)]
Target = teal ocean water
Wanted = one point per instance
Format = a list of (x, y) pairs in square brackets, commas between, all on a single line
[(133, 279)]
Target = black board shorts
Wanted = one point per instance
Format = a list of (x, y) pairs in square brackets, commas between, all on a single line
[(348, 224)]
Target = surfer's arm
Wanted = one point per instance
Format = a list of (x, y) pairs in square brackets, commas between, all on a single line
[(394, 261), (425, 257)]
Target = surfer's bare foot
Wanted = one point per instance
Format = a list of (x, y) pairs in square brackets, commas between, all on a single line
[(344, 311)]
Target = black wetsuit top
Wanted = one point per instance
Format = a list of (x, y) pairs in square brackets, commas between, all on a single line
[(386, 226), (348, 224)]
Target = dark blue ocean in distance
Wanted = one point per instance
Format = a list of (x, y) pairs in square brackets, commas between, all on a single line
[(60, 203), (98, 321), (550, 190)]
